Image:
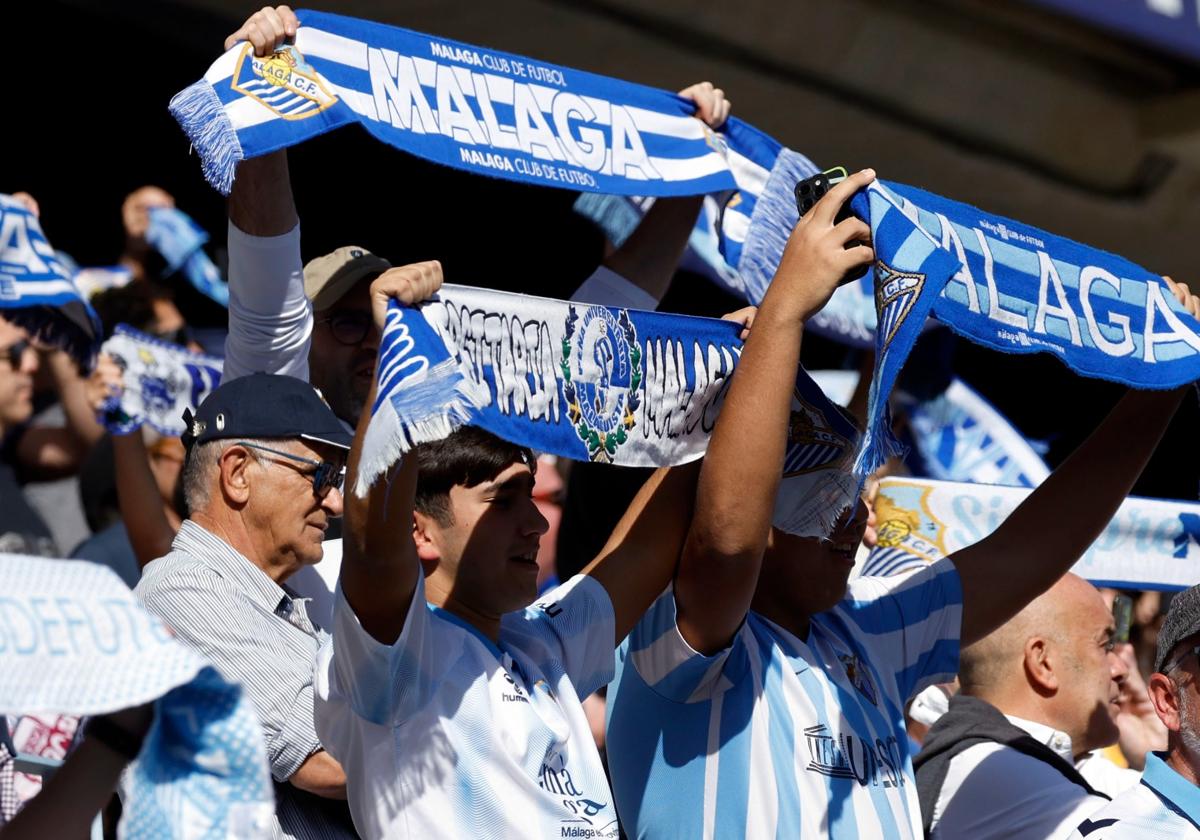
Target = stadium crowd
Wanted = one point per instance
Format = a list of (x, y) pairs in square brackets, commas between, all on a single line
[(417, 668)]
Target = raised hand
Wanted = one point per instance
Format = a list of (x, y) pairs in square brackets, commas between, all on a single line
[(266, 30)]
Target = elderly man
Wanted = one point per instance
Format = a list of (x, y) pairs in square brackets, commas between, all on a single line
[(1167, 802), (262, 479), (1038, 695)]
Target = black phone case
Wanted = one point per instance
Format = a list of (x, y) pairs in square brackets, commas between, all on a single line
[(808, 192)]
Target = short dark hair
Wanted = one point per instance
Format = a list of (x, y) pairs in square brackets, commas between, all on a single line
[(468, 457), (132, 304)]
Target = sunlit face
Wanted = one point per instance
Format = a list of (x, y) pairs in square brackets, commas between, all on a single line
[(1090, 686), (487, 556), (282, 509), (809, 573), (343, 371), (16, 376)]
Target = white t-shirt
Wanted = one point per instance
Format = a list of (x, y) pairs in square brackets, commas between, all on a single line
[(445, 734)]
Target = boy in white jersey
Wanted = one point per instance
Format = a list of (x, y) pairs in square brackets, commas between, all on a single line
[(761, 697)]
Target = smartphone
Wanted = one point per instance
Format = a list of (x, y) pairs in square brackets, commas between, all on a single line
[(809, 191)]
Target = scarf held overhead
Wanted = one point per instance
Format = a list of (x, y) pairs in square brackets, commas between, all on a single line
[(36, 291), (591, 383), (74, 641), (1149, 544)]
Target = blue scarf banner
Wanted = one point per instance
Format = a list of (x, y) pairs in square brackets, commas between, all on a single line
[(494, 114), (161, 380), (36, 291), (590, 383), (1149, 544), (1016, 289), (73, 640), (180, 241)]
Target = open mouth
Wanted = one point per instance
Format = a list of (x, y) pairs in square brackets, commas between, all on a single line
[(844, 551), (528, 559)]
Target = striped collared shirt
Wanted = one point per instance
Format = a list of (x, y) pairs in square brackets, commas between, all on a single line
[(257, 633), (1164, 806)]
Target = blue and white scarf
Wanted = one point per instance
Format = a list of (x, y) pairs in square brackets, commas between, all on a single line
[(497, 114), (1149, 544), (36, 291), (73, 640), (180, 241), (161, 380), (591, 383), (1016, 289)]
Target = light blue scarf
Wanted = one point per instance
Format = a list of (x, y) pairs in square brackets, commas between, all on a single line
[(180, 241), (36, 291), (74, 641)]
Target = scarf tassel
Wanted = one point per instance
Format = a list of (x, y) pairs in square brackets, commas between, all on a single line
[(200, 112)]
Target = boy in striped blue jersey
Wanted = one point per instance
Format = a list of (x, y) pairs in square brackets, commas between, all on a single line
[(762, 695)]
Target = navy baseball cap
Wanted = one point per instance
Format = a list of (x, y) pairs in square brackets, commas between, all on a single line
[(265, 405)]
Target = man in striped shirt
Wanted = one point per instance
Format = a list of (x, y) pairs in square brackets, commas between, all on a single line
[(762, 696), (262, 478), (1166, 804)]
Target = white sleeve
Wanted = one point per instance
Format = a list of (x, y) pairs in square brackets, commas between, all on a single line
[(608, 288), (383, 684), (270, 317), (572, 625)]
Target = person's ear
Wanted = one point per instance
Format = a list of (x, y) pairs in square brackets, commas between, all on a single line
[(1164, 694), (425, 537), (1041, 665), (234, 466)]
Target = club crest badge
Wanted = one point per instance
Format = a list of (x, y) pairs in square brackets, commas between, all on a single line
[(601, 378), (895, 293), (858, 676), (812, 443), (284, 82)]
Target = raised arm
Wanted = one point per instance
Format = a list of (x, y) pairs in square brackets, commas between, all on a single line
[(47, 452), (718, 571), (270, 318), (379, 560), (1053, 527), (649, 256)]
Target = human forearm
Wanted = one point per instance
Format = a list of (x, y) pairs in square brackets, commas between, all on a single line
[(72, 391), (649, 256), (146, 522), (261, 202), (1057, 522), (321, 775)]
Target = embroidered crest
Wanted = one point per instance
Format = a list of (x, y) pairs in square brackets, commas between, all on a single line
[(857, 674), (602, 374), (285, 83), (812, 443), (895, 293)]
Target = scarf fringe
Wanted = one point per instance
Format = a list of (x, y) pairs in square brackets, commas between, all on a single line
[(201, 114), (418, 413), (878, 444), (820, 509), (771, 223)]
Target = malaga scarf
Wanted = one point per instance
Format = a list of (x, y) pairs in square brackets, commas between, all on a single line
[(74, 641), (36, 291), (1150, 543), (180, 242), (161, 380), (591, 383)]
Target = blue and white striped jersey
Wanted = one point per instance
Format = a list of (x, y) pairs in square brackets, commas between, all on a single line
[(1163, 806), (445, 734), (776, 737)]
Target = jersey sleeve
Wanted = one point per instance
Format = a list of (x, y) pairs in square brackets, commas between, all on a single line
[(571, 629), (671, 667), (270, 317), (383, 684), (911, 623)]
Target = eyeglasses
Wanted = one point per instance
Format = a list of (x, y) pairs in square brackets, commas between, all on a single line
[(1194, 650), (348, 328), (325, 477), (15, 352)]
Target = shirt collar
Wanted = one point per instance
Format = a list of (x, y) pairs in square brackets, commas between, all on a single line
[(1059, 742), (214, 552), (1172, 787)]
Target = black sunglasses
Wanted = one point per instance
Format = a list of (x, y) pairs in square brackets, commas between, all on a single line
[(14, 352), (348, 328), (325, 477)]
